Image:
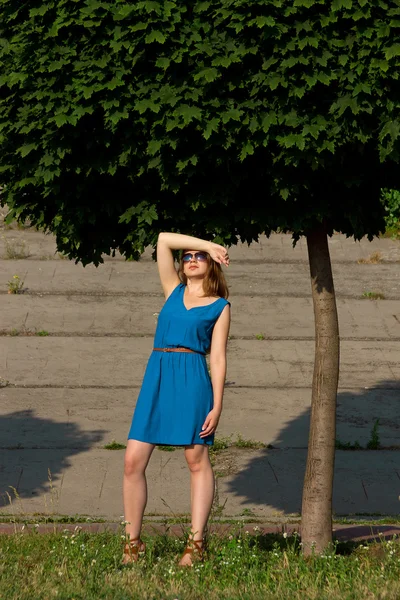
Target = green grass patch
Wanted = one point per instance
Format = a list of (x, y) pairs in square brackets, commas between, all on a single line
[(339, 445), (374, 442), (114, 446), (87, 566), (239, 442), (166, 448), (373, 295)]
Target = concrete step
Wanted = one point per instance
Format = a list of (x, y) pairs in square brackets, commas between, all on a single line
[(260, 483)]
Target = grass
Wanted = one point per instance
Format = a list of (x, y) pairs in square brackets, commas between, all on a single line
[(79, 565), (374, 443), (114, 446), (374, 295), (373, 259), (15, 285), (339, 445), (226, 442), (392, 232), (16, 249), (23, 331)]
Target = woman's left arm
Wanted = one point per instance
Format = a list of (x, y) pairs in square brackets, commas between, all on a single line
[(218, 369)]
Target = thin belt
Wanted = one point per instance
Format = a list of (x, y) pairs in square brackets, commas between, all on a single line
[(176, 350)]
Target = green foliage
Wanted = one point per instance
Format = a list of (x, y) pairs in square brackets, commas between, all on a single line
[(240, 564), (374, 442), (373, 295), (339, 445), (114, 446), (391, 202), (222, 119)]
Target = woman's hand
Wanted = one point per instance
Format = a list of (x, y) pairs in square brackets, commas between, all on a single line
[(219, 254), (211, 423)]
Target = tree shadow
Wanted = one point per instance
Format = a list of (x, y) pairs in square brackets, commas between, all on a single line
[(24, 470), (366, 482)]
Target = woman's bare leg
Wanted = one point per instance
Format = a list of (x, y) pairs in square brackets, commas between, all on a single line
[(202, 490), (137, 456)]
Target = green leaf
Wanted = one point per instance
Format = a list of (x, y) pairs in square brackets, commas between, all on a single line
[(124, 11), (60, 120), (247, 149), (163, 62), (263, 21), (222, 61), (339, 4), (153, 147), (202, 6), (392, 51), (209, 74), (188, 113), (155, 36), (26, 149), (211, 126), (40, 11), (154, 163), (231, 114), (268, 120)]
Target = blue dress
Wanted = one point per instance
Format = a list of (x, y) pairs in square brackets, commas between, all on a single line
[(176, 393)]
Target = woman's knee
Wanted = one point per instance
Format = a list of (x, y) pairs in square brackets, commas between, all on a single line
[(136, 459), (197, 459), (133, 465)]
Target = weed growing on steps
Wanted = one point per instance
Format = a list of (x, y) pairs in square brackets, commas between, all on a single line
[(374, 442), (373, 295), (15, 285)]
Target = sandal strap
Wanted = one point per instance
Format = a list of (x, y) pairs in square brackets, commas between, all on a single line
[(194, 548), (133, 547)]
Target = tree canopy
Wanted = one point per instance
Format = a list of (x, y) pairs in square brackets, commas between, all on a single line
[(223, 118)]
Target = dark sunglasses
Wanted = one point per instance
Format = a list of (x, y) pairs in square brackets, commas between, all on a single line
[(198, 256)]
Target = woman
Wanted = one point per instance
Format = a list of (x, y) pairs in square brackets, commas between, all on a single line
[(179, 405)]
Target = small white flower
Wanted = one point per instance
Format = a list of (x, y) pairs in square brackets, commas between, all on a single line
[(94, 561), (285, 535), (256, 528)]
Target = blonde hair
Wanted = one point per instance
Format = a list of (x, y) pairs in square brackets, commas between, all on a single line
[(214, 283)]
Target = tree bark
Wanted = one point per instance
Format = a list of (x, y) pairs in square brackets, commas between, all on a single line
[(316, 514)]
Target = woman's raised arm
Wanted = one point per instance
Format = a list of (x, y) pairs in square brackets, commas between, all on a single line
[(176, 241)]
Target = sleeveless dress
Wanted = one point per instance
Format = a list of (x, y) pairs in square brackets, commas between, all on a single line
[(176, 393)]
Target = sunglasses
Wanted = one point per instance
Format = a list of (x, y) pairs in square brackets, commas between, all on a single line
[(198, 256)]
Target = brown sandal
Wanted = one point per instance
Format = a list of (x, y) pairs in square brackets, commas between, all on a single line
[(132, 550), (195, 551)]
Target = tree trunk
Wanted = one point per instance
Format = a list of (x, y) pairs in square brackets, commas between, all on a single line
[(316, 514)]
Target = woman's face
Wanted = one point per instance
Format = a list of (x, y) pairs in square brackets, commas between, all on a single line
[(195, 263)]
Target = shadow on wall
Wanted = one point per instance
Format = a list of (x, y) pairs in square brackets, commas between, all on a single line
[(24, 438), (365, 481)]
